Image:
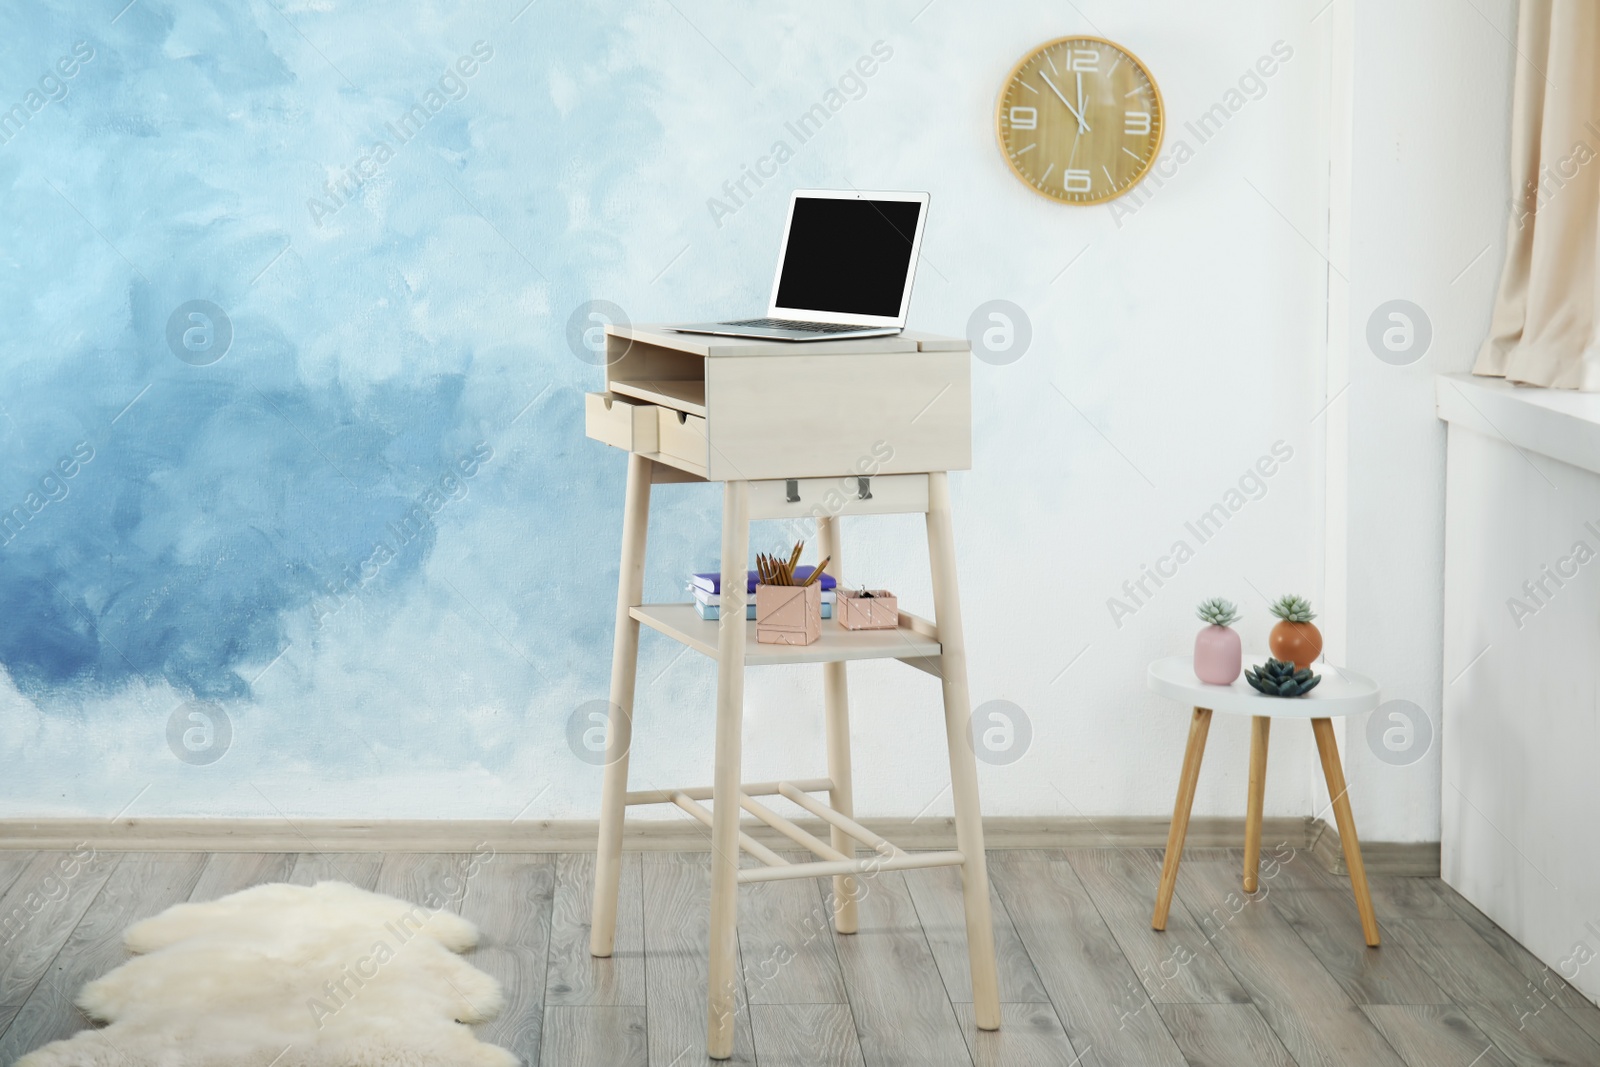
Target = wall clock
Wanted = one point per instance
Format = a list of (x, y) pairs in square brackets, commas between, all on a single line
[(1080, 120)]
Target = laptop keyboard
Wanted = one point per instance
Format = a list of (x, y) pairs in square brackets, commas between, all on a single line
[(790, 324)]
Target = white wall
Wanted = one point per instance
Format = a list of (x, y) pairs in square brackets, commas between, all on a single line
[(1177, 337), (1180, 332), (1173, 346), (1419, 214)]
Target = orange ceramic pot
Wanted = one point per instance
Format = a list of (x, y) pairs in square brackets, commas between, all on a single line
[(1299, 643)]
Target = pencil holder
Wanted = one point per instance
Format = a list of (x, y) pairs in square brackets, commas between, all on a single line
[(879, 611), (788, 614)]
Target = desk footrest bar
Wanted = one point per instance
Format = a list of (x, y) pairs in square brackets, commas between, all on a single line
[(903, 861), (705, 792), (843, 822), (746, 842), (791, 831)]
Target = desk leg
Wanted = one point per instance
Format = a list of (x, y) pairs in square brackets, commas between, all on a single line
[(1260, 729), (1199, 725), (619, 724), (836, 713), (721, 989), (963, 762), (1328, 749)]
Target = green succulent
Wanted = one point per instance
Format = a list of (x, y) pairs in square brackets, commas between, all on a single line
[(1293, 609), (1217, 611), (1278, 678)]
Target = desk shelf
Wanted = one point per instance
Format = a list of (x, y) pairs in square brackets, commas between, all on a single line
[(914, 640), (689, 396)]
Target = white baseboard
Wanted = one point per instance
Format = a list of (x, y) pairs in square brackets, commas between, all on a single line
[(423, 835)]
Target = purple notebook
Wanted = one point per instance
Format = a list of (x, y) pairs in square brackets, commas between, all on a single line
[(712, 583)]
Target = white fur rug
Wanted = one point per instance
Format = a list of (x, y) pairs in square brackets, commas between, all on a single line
[(290, 976)]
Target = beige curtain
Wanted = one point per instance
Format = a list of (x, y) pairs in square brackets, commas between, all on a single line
[(1546, 327)]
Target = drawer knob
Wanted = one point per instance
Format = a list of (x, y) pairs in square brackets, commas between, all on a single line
[(792, 491), (863, 488)]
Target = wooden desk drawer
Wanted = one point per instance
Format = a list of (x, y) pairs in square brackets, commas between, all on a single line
[(796, 414), (622, 423), (682, 436)]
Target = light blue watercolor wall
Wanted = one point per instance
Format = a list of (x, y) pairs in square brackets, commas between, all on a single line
[(401, 342)]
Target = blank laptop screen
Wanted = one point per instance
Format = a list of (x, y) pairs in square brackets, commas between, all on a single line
[(850, 257)]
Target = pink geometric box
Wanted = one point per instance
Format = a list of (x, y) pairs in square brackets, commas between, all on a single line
[(788, 614), (880, 611)]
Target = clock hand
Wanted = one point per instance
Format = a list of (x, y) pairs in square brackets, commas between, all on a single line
[(1083, 127), (1081, 124)]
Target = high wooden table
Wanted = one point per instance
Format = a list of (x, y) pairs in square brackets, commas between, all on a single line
[(800, 431), (1341, 692)]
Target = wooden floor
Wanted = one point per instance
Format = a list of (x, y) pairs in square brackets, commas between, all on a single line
[(1277, 978)]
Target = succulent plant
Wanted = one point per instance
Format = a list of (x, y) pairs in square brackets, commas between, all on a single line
[(1278, 678), (1293, 609), (1217, 611)]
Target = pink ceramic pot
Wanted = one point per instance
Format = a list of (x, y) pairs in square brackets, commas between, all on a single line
[(1217, 655)]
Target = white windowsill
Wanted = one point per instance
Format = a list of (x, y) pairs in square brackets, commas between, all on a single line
[(1560, 423)]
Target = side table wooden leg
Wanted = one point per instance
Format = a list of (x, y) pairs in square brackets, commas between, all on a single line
[(1198, 727), (721, 988), (1333, 771), (1260, 730), (619, 723), (963, 762), (836, 713)]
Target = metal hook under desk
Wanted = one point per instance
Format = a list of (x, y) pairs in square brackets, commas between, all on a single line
[(791, 488)]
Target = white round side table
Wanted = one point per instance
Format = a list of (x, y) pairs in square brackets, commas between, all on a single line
[(1341, 692)]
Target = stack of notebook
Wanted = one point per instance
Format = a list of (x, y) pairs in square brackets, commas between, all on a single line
[(707, 590)]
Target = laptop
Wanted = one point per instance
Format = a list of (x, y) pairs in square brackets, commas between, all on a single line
[(846, 269)]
